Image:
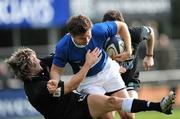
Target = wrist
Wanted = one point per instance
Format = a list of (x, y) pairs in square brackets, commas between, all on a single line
[(87, 65), (149, 55)]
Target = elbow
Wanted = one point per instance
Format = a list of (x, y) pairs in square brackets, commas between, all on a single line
[(68, 89)]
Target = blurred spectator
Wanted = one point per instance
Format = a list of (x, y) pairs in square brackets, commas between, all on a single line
[(165, 54), (7, 79)]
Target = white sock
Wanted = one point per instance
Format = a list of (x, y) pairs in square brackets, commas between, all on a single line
[(148, 104), (127, 104)]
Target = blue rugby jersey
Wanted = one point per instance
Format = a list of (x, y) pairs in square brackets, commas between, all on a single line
[(67, 52)]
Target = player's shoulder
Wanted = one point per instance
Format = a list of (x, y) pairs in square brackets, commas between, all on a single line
[(102, 28), (103, 25), (64, 41), (140, 29)]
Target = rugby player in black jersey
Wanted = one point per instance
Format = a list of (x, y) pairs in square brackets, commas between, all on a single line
[(130, 73)]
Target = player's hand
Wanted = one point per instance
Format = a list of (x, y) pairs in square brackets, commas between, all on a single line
[(52, 85), (121, 57), (122, 69), (92, 56), (148, 62)]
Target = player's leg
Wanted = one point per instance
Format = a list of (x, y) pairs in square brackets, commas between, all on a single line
[(131, 79), (132, 82), (123, 94), (115, 86), (132, 88), (99, 104), (133, 94), (113, 83)]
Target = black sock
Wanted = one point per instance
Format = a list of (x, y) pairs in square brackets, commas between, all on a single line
[(142, 105)]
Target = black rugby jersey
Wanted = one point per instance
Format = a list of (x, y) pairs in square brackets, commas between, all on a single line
[(138, 34), (69, 106)]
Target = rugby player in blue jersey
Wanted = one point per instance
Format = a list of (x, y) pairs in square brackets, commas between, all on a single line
[(138, 35), (103, 77)]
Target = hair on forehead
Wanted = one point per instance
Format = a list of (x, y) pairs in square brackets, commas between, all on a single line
[(78, 25)]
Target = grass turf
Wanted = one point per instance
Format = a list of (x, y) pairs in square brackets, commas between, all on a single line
[(156, 115)]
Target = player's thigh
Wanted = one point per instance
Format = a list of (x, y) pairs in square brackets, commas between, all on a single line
[(98, 105), (123, 93), (93, 89), (101, 104)]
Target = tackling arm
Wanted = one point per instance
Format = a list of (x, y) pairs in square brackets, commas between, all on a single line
[(73, 83), (55, 77)]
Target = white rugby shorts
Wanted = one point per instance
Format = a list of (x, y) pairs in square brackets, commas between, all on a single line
[(107, 80)]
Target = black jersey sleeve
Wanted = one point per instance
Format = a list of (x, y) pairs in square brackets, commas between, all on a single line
[(145, 33), (138, 34), (48, 59)]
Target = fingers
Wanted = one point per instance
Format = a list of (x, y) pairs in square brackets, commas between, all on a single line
[(92, 56), (121, 57), (146, 66), (88, 51), (52, 86), (148, 62), (96, 52), (122, 69)]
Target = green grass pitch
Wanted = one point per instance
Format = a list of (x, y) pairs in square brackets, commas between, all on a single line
[(156, 115)]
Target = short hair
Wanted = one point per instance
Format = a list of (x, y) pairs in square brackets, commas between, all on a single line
[(78, 25), (20, 61), (113, 15)]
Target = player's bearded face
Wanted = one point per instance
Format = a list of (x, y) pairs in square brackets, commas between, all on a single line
[(83, 40)]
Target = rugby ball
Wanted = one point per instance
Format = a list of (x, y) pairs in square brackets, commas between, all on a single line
[(114, 45)]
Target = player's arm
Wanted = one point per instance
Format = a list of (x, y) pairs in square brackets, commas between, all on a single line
[(149, 60), (73, 83), (123, 31), (150, 43), (55, 76)]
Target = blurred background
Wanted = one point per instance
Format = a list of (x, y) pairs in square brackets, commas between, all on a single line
[(39, 24)]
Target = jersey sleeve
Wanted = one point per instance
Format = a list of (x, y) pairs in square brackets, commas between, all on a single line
[(145, 33), (60, 58), (111, 29), (138, 34), (105, 30), (48, 59)]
